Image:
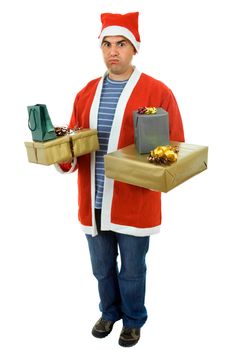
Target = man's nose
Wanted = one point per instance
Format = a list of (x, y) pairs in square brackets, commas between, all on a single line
[(113, 50)]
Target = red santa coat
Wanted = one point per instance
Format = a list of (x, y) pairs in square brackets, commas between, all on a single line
[(126, 208)]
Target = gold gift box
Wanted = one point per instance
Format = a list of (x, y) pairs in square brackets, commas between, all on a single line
[(127, 165), (63, 148)]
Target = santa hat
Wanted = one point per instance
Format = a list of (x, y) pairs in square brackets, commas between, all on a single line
[(122, 25)]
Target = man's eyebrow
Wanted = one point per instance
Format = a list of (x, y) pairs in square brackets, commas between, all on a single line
[(121, 41), (118, 42)]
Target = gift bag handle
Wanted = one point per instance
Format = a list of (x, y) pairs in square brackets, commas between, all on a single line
[(29, 121)]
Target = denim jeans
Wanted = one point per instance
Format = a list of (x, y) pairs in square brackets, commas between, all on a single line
[(122, 293)]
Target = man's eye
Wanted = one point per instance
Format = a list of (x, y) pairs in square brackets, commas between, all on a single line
[(106, 44), (122, 44)]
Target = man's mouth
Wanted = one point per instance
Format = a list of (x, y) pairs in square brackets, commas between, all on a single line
[(113, 61)]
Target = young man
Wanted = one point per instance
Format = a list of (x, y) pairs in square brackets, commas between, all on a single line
[(116, 216)]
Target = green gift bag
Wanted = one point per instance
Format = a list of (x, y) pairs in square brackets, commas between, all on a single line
[(40, 124)]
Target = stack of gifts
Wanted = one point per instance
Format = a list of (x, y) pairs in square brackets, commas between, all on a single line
[(154, 162), (56, 145)]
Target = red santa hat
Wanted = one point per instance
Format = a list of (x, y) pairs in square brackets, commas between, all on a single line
[(122, 25)]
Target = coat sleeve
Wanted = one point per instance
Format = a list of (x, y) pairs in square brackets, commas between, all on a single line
[(175, 121), (70, 167)]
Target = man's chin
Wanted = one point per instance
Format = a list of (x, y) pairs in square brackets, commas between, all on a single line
[(115, 70)]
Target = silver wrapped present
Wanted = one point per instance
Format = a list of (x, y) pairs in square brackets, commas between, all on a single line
[(151, 130)]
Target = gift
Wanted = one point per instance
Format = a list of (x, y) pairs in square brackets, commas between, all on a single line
[(40, 124), (151, 128), (85, 141), (63, 148), (128, 166)]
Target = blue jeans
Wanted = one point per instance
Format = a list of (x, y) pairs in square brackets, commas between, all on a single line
[(122, 293)]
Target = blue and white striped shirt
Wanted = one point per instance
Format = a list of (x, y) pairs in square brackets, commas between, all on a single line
[(110, 94)]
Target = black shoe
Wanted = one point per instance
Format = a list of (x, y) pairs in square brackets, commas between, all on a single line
[(129, 336), (102, 328)]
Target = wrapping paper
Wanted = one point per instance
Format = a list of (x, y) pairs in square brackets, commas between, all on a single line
[(63, 148), (151, 130), (128, 166)]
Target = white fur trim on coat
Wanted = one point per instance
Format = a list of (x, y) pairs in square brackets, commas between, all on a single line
[(73, 165), (106, 223), (127, 230)]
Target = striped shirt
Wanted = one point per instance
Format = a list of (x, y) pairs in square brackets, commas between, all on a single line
[(110, 94)]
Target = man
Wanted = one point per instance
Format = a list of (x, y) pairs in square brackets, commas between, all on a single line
[(114, 215)]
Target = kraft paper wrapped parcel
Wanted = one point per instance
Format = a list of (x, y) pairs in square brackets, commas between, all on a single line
[(63, 148), (56, 144), (128, 166)]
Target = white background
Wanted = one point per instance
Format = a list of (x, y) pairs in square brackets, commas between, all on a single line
[(48, 297)]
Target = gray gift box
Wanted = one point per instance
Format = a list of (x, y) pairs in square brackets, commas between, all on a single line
[(151, 130)]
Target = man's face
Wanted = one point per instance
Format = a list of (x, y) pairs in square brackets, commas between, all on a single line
[(118, 53)]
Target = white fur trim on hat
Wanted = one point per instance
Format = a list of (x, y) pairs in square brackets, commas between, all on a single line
[(122, 31)]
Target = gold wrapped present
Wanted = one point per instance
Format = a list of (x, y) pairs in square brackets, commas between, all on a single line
[(128, 166), (63, 148)]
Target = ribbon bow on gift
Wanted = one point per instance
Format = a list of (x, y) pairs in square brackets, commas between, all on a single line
[(147, 110), (164, 155)]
